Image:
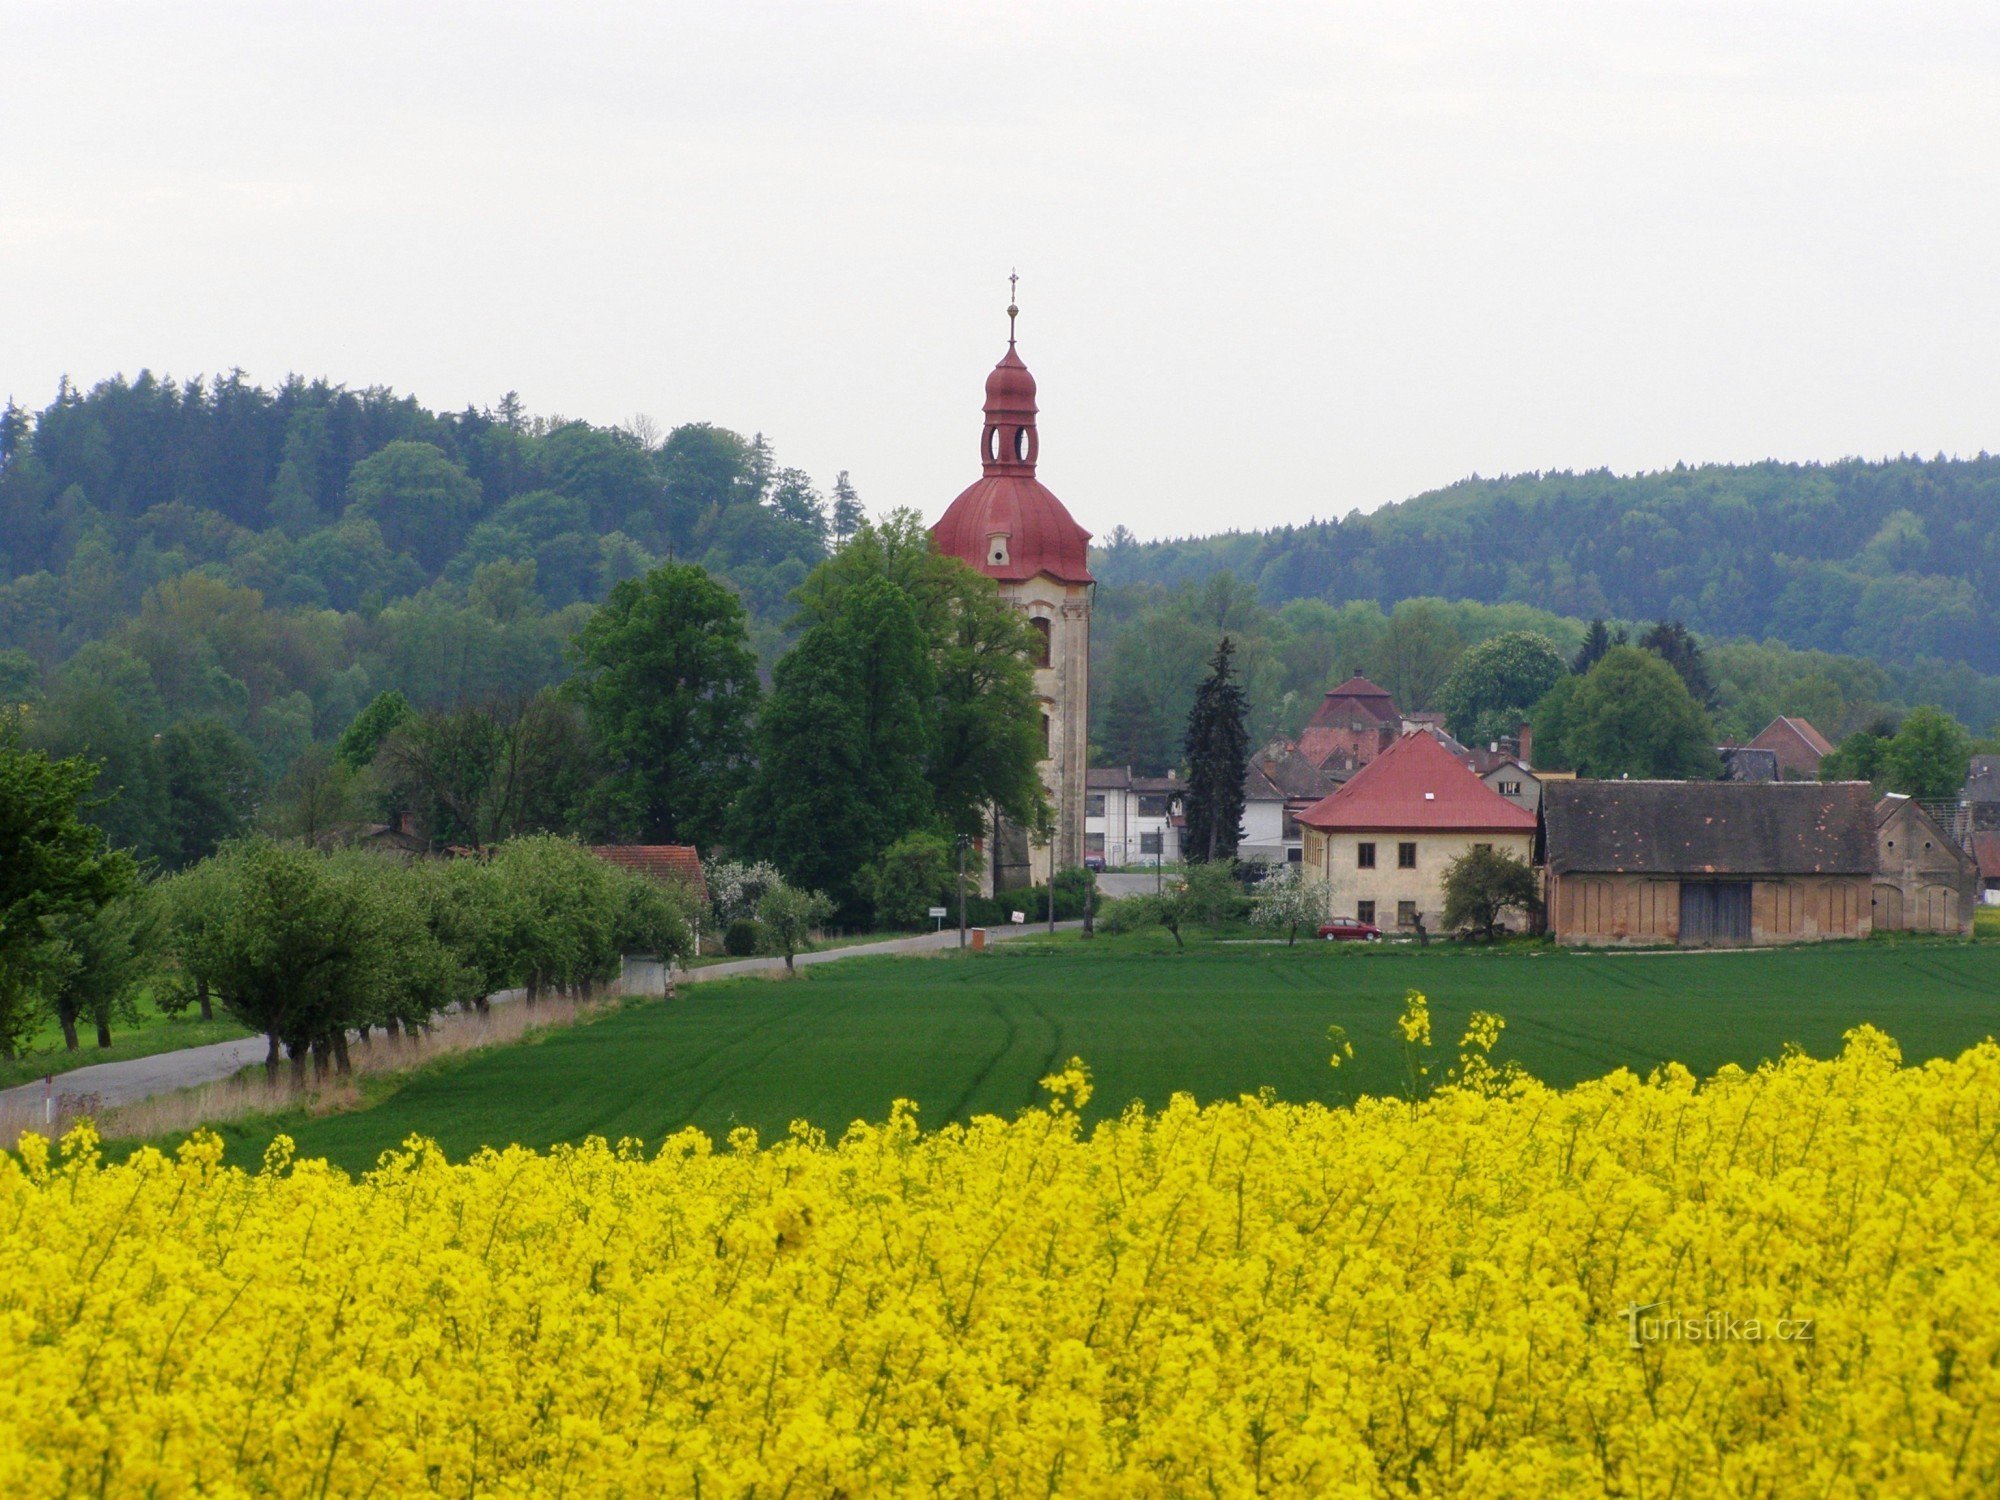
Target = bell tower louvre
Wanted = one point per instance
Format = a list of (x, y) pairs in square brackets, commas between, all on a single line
[(1009, 526)]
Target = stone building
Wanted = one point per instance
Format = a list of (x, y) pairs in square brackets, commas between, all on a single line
[(1798, 747), (1011, 528), (1707, 863), (1383, 841), (1924, 882)]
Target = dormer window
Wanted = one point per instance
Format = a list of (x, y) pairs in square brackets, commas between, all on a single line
[(996, 550)]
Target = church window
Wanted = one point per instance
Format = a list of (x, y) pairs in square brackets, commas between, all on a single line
[(1042, 629), (1021, 444)]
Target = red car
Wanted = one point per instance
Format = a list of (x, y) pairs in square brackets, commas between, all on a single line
[(1350, 930)]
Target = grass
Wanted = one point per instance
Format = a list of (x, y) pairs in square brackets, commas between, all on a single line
[(964, 1036), (151, 1033)]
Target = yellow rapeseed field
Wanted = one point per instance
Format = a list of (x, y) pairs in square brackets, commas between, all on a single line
[(1771, 1283)]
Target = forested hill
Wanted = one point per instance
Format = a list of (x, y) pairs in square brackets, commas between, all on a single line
[(1898, 561)]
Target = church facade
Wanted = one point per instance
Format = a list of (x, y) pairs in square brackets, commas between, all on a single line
[(1009, 526)]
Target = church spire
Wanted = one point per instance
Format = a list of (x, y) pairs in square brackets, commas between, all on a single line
[(1013, 311), (1009, 444)]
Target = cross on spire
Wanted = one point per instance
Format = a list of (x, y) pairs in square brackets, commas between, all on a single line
[(1013, 281)]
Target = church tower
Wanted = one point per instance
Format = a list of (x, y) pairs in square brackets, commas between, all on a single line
[(1011, 528)]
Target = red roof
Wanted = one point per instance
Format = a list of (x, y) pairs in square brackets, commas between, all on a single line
[(1986, 849), (667, 863), (1417, 783), (1008, 508), (1356, 692)]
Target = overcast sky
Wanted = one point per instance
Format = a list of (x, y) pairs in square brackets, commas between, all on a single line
[(1276, 262)]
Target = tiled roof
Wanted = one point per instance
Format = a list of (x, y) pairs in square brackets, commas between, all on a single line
[(1986, 849), (1356, 692), (666, 863), (1416, 784), (1710, 827), (1982, 783)]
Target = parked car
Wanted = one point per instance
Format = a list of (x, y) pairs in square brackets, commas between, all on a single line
[(1094, 863), (1350, 930)]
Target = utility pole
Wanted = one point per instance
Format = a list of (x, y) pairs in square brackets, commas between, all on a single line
[(964, 843), (1052, 892)]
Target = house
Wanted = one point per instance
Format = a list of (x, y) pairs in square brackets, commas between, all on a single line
[(1278, 785), (1699, 863), (1798, 746), (1986, 853), (668, 864), (1132, 820), (1383, 841), (1979, 802), (1353, 724), (1749, 763), (1924, 882)]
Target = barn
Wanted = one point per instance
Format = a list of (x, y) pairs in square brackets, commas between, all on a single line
[(1707, 863)]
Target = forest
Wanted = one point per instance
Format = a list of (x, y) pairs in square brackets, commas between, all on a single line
[(203, 585)]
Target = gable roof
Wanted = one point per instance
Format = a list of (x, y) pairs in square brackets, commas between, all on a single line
[(1796, 728), (1417, 784), (669, 864), (1281, 773), (1710, 827), (1356, 692)]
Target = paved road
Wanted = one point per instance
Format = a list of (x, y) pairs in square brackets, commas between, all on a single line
[(1111, 887), (137, 1078)]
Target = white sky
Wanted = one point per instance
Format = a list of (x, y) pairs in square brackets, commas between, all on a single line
[(1276, 261)]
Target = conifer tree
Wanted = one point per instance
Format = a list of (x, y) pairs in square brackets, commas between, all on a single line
[(1218, 750), (1596, 641)]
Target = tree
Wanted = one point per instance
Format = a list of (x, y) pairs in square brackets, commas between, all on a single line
[(104, 955), (490, 771), (420, 499), (1675, 645), (1596, 641), (54, 867), (1418, 649), (313, 800), (1497, 682), (804, 810), (210, 777), (1552, 720), (787, 916), (1482, 885), (1859, 757), (1929, 757), (847, 513), (669, 682), (908, 878), (1633, 716), (987, 744), (1218, 752), (358, 743), (1290, 899)]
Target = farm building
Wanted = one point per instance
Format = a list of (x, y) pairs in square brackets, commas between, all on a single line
[(1702, 863), (1382, 842), (1924, 882), (1796, 745)]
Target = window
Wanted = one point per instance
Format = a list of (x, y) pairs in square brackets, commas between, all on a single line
[(1152, 804), (1486, 848), (1288, 825), (996, 550), (1406, 856), (1406, 913), (1364, 911), (1093, 805), (1510, 788), (1046, 732), (1041, 628), (1149, 843), (1364, 856), (1295, 856)]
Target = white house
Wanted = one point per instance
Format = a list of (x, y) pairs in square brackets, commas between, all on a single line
[(1132, 820)]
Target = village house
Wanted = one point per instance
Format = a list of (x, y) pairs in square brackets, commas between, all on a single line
[(1383, 840), (1924, 882), (1979, 802), (1798, 746), (1699, 863), (1278, 785), (1986, 853), (1354, 723), (1132, 820)]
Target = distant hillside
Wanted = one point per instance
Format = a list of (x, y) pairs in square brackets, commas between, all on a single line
[(1898, 561)]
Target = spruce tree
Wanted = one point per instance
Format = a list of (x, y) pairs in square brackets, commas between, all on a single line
[(1218, 752), (1596, 641)]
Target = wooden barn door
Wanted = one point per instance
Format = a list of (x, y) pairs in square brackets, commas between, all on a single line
[(1715, 911), (1888, 907)]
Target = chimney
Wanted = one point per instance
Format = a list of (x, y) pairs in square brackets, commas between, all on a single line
[(1527, 745)]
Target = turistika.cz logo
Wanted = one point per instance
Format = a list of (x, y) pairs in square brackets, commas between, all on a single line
[(1648, 1325)]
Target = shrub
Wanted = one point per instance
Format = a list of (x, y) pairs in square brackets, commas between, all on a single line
[(742, 938)]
